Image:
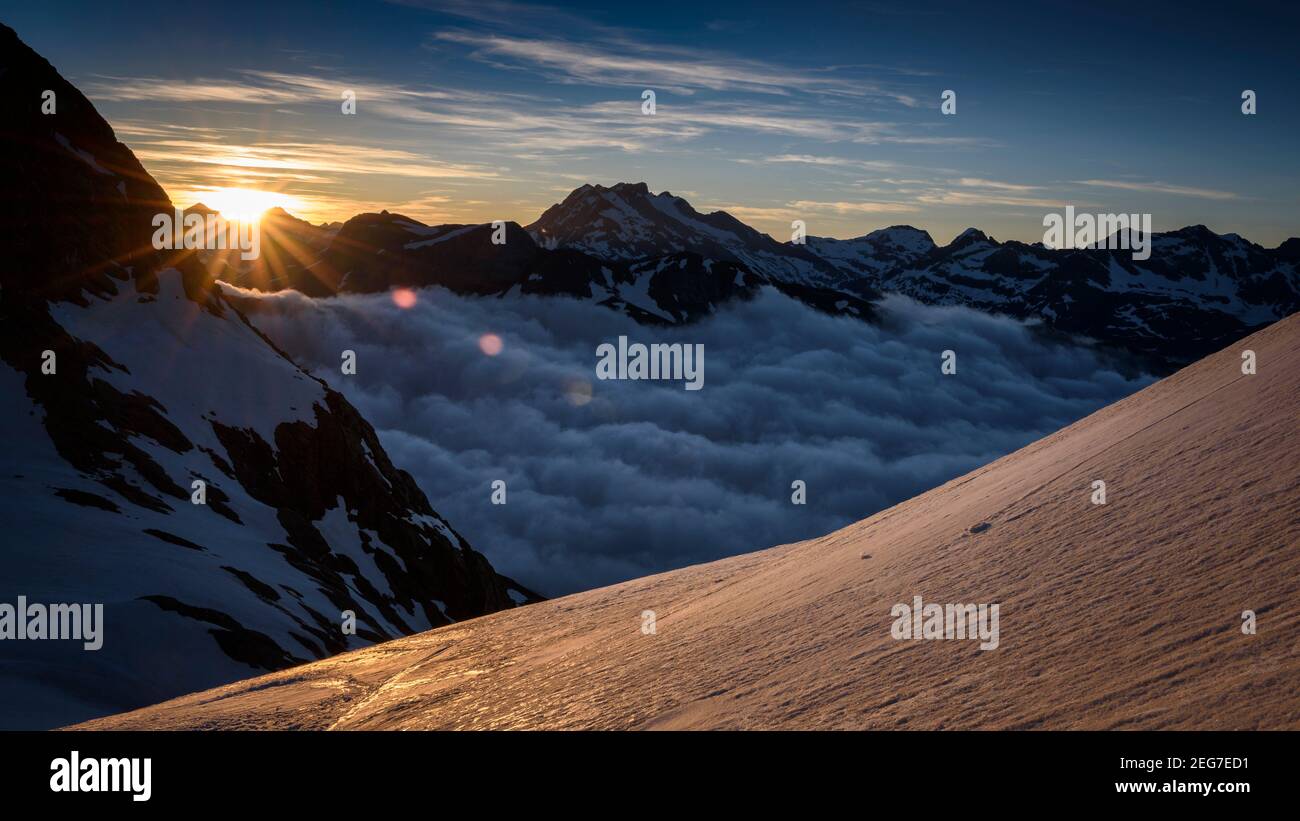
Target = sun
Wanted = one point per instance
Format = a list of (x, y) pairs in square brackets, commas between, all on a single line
[(244, 204)]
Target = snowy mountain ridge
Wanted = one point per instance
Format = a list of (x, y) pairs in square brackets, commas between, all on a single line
[(659, 260), (231, 512)]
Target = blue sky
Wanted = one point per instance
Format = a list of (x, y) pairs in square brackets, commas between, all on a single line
[(825, 112)]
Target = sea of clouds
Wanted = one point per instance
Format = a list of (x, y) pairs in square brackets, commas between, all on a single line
[(609, 480)]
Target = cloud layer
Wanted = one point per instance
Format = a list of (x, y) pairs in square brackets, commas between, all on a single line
[(608, 480)]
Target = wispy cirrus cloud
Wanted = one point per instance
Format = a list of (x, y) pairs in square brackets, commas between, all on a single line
[(977, 191), (255, 87), (1162, 188), (541, 130), (109, 88), (888, 195), (830, 162), (759, 118), (518, 121), (619, 124), (820, 131), (976, 182), (625, 60), (941, 141), (977, 198), (755, 214), (326, 180), (334, 158), (778, 216), (506, 14), (854, 207)]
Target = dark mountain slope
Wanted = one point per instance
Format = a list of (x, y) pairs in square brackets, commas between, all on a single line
[(157, 383)]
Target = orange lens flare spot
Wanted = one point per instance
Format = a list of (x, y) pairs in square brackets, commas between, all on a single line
[(490, 344)]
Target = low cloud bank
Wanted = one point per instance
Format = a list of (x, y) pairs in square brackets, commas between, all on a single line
[(608, 480)]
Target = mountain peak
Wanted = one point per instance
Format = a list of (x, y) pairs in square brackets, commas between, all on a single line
[(632, 188), (971, 235), (75, 153), (626, 222), (642, 188), (1196, 232), (906, 236)]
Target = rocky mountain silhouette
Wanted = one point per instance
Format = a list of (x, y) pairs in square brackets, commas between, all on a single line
[(132, 389), (656, 258)]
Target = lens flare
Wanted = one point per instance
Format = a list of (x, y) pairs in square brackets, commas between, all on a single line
[(490, 344), (578, 392)]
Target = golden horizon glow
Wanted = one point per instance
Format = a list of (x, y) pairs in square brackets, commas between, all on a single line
[(243, 204)]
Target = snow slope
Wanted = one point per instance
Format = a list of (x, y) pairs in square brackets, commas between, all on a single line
[(1123, 615)]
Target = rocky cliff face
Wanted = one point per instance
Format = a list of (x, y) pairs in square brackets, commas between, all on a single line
[(129, 386)]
